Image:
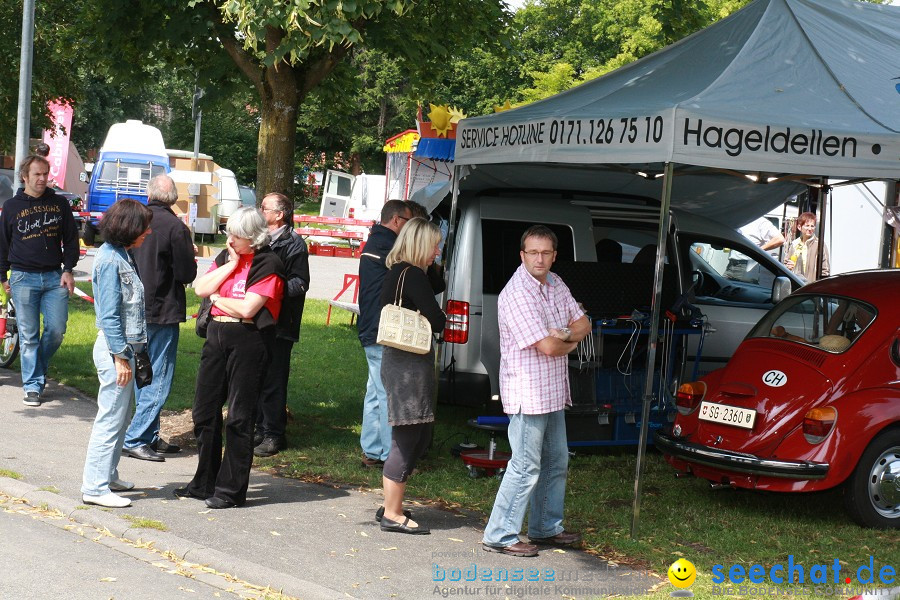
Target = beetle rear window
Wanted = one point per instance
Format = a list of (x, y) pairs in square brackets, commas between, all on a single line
[(830, 323)]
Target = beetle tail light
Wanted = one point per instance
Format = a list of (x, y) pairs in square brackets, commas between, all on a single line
[(457, 329), (689, 396), (818, 423)]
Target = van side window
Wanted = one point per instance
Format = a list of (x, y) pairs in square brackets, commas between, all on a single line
[(501, 241), (722, 273)]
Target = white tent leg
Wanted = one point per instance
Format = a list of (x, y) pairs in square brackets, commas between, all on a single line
[(652, 340)]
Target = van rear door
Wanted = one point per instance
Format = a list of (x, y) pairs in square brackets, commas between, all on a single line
[(336, 194)]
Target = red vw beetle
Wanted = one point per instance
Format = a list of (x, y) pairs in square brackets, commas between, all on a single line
[(809, 401)]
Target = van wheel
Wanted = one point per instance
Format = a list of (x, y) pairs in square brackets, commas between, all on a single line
[(872, 493)]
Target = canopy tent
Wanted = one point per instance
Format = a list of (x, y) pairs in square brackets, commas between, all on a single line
[(784, 90), (728, 122)]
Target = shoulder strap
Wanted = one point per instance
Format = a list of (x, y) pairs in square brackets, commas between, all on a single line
[(398, 295)]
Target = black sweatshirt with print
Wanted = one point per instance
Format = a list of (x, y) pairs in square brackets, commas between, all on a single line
[(37, 234)]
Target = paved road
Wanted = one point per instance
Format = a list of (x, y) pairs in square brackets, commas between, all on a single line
[(45, 555)]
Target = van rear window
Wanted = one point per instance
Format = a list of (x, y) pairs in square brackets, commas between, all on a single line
[(501, 241)]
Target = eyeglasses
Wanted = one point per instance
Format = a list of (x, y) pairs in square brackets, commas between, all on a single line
[(271, 210), (535, 253), (404, 218)]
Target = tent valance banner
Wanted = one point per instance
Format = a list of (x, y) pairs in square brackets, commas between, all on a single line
[(781, 86)]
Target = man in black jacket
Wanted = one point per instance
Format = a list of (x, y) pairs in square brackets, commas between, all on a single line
[(375, 437), (37, 233), (271, 418), (165, 264)]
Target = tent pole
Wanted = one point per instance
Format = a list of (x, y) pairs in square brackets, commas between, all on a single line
[(451, 233), (823, 213), (652, 341)]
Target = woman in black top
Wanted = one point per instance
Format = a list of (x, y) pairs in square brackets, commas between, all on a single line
[(408, 378)]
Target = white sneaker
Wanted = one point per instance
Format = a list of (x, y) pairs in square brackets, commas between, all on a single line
[(120, 485), (108, 500)]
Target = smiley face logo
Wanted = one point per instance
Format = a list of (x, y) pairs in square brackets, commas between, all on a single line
[(682, 573)]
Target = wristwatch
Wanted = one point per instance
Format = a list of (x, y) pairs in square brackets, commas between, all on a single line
[(566, 331)]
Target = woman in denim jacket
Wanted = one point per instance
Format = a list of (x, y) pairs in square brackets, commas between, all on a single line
[(121, 331)]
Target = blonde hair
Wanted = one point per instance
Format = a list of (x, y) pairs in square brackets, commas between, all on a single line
[(415, 244)]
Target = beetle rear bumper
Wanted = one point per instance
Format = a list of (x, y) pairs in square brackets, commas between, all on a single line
[(737, 461)]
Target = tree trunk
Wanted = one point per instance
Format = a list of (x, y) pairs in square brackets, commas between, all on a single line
[(280, 99)]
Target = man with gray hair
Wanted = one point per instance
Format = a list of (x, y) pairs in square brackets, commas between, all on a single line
[(165, 264)]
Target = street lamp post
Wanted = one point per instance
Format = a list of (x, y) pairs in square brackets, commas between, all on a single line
[(23, 118)]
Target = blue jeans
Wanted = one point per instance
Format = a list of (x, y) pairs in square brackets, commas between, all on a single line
[(536, 473), (375, 437), (108, 433), (162, 346), (36, 294)]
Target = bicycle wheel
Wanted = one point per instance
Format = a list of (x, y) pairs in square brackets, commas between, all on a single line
[(9, 345)]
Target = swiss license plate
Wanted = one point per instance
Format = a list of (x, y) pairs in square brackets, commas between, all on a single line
[(727, 415)]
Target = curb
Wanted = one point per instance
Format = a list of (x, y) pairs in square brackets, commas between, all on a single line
[(165, 541)]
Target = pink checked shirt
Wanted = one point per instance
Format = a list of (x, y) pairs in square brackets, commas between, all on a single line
[(531, 381)]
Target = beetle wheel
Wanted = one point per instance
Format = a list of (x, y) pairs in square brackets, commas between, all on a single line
[(872, 493)]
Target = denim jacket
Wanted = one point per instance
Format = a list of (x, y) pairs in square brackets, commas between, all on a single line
[(118, 300)]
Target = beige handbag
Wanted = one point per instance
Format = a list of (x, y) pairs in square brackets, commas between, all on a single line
[(403, 328)]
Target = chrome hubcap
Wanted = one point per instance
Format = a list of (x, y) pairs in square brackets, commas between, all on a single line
[(884, 483)]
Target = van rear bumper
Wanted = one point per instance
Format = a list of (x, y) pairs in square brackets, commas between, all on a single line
[(464, 389)]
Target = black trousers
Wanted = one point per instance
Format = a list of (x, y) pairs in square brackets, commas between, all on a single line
[(232, 365), (408, 444), (272, 419)]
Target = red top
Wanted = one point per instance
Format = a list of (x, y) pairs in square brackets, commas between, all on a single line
[(235, 286)]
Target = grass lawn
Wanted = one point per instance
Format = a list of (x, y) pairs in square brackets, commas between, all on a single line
[(679, 517)]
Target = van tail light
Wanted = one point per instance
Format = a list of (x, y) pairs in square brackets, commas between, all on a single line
[(688, 396), (818, 423), (457, 329)]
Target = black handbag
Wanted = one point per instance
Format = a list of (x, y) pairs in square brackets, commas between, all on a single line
[(203, 317), (143, 369)]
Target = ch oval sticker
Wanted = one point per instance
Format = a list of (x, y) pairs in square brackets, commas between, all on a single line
[(774, 378)]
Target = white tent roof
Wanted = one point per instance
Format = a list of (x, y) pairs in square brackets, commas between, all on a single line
[(782, 87)]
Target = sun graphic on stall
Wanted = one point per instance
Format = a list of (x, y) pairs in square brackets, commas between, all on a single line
[(440, 118)]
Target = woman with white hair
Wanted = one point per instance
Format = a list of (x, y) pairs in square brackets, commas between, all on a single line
[(245, 285)]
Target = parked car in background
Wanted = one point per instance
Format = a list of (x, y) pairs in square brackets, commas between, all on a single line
[(810, 401)]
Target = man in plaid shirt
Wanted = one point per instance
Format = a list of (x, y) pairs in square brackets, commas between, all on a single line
[(540, 324)]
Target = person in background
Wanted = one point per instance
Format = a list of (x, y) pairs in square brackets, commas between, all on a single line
[(375, 437), (409, 378), (37, 233), (762, 233), (121, 331), (540, 324), (278, 211), (165, 265), (802, 258), (245, 285)]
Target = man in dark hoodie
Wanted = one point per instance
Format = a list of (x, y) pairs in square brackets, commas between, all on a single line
[(375, 437), (165, 264), (37, 234), (271, 419)]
